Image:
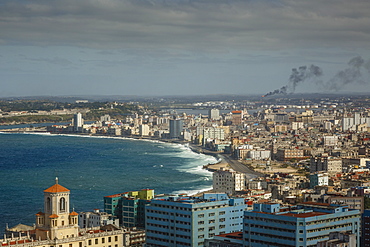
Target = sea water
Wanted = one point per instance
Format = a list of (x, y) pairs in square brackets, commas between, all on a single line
[(91, 168)]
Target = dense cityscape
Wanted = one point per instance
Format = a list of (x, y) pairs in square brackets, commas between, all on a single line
[(173, 123), (291, 172)]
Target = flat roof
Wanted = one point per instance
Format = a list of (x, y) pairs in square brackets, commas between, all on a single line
[(233, 235), (304, 215)]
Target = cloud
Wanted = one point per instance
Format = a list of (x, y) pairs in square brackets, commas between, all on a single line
[(210, 25)]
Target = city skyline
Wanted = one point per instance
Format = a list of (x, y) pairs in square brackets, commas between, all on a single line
[(180, 47)]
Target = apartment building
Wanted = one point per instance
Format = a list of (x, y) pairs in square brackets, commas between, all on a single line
[(188, 221)]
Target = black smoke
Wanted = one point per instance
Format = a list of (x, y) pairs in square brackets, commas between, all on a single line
[(351, 74), (298, 76)]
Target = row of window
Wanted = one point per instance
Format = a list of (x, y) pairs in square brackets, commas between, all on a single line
[(167, 227), (164, 240), (103, 240), (211, 235), (270, 235), (329, 228), (270, 228), (260, 242), (332, 220), (169, 234), (167, 220), (171, 207), (270, 220)]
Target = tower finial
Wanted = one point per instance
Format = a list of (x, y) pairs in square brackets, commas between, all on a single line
[(56, 180)]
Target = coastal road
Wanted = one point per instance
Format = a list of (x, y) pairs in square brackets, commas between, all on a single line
[(239, 167), (234, 164)]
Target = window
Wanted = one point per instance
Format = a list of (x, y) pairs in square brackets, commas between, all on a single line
[(110, 239), (103, 240), (48, 204), (200, 222), (116, 238), (62, 204), (96, 241), (90, 242)]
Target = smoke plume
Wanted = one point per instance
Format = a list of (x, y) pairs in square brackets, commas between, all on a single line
[(298, 76), (352, 74)]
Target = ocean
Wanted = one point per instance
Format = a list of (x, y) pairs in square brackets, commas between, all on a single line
[(91, 168)]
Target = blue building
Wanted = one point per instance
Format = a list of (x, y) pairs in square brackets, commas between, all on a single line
[(366, 229), (188, 221), (304, 225)]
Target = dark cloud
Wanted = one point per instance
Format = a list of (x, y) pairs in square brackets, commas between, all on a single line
[(190, 24)]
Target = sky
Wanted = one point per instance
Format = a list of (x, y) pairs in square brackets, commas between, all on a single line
[(183, 47)]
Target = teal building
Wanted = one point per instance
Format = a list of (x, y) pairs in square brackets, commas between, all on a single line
[(129, 207)]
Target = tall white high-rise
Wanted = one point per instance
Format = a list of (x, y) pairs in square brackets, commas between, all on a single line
[(214, 114), (77, 122)]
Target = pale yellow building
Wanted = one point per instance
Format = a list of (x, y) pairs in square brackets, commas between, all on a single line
[(57, 226)]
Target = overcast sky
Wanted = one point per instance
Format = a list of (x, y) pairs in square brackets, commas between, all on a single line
[(182, 47)]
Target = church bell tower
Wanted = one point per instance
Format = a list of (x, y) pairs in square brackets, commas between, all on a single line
[(56, 222)]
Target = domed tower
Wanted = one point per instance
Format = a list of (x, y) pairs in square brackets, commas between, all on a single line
[(56, 222)]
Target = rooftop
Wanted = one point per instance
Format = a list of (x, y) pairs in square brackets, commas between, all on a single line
[(304, 215), (233, 235), (56, 188)]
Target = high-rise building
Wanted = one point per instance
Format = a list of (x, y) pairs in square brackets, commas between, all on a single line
[(366, 228), (77, 122), (188, 221), (305, 225), (129, 207), (329, 164), (236, 117), (214, 114), (176, 127), (228, 181), (144, 130)]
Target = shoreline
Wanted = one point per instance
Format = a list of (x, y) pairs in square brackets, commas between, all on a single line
[(223, 161)]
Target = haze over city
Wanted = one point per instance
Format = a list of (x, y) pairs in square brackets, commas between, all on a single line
[(178, 47)]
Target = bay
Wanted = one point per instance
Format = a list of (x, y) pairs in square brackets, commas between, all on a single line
[(91, 167)]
